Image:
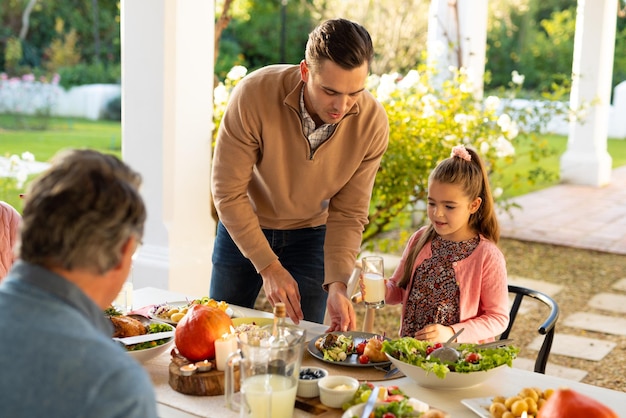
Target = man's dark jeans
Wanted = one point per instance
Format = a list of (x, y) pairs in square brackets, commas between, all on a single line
[(300, 251)]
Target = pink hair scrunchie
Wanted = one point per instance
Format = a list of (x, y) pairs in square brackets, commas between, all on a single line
[(461, 152)]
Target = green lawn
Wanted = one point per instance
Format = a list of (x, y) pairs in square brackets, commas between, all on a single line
[(61, 133), (616, 148), (105, 136)]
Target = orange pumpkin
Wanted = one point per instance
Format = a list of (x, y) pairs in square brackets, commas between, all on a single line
[(571, 404), (196, 333)]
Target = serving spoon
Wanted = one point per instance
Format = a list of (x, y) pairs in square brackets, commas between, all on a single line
[(447, 353)]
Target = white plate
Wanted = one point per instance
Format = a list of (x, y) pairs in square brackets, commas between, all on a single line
[(480, 406), (179, 304), (354, 411)]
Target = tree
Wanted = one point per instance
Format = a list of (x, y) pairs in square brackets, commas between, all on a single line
[(96, 23), (398, 28), (25, 18), (253, 37)]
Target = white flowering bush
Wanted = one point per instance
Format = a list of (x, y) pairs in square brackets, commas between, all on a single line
[(425, 123), (13, 175), (221, 94)]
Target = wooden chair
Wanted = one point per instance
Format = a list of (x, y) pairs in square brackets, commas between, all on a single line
[(546, 328)]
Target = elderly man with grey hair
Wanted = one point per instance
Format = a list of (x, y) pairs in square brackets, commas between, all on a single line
[(82, 221)]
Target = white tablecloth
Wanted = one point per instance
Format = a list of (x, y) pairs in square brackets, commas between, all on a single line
[(508, 383)]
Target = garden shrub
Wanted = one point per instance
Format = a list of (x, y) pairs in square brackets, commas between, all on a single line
[(425, 123), (83, 73), (113, 109)]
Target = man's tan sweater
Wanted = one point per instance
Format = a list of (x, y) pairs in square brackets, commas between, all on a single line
[(265, 176)]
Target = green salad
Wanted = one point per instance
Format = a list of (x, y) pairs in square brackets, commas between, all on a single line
[(417, 353), (392, 402), (336, 347), (153, 328)]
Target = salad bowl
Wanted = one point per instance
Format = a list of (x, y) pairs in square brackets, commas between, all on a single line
[(452, 380), (474, 365)]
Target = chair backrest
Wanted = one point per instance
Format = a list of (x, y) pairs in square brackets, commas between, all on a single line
[(547, 328)]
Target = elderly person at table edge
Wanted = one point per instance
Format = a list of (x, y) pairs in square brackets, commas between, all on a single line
[(295, 160), (82, 221)]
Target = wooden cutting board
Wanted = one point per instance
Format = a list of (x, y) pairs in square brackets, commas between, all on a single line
[(313, 407)]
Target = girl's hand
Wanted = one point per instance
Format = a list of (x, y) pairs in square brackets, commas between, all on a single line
[(436, 333), (362, 285)]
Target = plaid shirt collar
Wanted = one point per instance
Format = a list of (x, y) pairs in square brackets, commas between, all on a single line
[(315, 136)]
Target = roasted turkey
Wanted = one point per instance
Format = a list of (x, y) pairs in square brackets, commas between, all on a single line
[(126, 326)]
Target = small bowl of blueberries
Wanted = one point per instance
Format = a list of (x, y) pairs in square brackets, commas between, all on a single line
[(307, 384)]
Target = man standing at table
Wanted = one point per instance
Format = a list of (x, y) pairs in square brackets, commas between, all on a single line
[(82, 221), (294, 165)]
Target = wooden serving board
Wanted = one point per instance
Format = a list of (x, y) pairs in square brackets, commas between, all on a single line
[(209, 383), (313, 407)]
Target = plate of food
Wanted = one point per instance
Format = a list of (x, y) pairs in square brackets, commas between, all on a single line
[(528, 399), (390, 400), (479, 406), (352, 348), (172, 312), (135, 325)]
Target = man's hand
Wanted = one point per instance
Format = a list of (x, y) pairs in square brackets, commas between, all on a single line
[(280, 286), (340, 309)]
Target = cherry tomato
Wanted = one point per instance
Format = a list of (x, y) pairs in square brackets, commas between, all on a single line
[(389, 415), (394, 390), (394, 398), (472, 357), (433, 347), (363, 359), (360, 348)]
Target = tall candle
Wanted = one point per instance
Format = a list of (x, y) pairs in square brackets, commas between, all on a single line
[(224, 346)]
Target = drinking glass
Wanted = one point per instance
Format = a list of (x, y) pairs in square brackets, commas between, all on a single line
[(124, 300), (373, 281)]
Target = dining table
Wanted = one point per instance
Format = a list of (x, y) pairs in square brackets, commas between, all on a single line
[(508, 382)]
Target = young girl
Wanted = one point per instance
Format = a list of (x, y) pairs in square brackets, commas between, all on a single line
[(452, 275)]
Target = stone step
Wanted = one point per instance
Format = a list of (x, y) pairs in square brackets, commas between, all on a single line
[(551, 369), (577, 347), (598, 323), (549, 289), (620, 285), (608, 302)]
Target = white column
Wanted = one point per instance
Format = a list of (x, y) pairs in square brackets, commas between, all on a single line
[(167, 85), (457, 36), (586, 160)]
